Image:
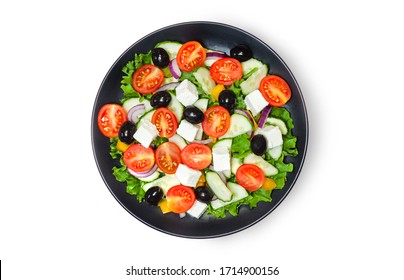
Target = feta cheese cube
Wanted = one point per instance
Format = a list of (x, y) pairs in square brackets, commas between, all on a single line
[(221, 158), (197, 209), (187, 176), (146, 133), (187, 130), (272, 134), (186, 93), (255, 102)]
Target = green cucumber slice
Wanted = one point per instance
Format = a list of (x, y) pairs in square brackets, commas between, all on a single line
[(217, 186), (239, 124)]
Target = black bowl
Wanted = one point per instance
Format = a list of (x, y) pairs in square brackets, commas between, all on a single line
[(216, 36)]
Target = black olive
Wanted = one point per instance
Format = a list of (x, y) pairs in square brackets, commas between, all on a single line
[(193, 114), (160, 99), (126, 132), (160, 57), (203, 194), (154, 195), (258, 144), (241, 53), (227, 99)]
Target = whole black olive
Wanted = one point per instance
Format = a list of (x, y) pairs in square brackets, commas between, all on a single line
[(258, 144), (193, 114), (227, 99), (160, 99), (241, 53), (154, 195), (160, 57), (126, 132), (203, 194)]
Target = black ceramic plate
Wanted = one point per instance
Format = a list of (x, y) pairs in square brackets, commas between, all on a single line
[(216, 36)]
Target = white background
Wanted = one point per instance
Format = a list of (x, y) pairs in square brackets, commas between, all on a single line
[(343, 218)]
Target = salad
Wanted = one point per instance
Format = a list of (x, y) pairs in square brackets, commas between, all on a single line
[(200, 131)]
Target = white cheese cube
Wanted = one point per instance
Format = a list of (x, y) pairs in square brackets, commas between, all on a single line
[(186, 93), (146, 133), (272, 134), (197, 209), (221, 158), (187, 130), (187, 176), (255, 102)]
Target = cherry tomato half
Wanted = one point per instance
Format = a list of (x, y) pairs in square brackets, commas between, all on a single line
[(147, 79), (190, 56), (139, 158), (197, 156), (216, 122), (110, 119), (250, 177), (226, 71), (165, 122), (168, 157), (180, 198), (275, 90)]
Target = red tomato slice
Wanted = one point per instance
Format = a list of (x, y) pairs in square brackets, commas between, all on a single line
[(168, 157), (190, 56), (250, 177), (216, 122), (165, 122), (226, 71), (110, 119), (197, 156), (139, 158), (275, 90), (180, 198), (147, 79)]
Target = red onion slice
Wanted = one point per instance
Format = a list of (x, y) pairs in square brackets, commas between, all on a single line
[(264, 116), (169, 86), (215, 55), (174, 69), (143, 174), (135, 112)]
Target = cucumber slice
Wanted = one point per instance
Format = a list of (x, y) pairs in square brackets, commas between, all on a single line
[(239, 124), (151, 178), (253, 82), (178, 140), (238, 193), (235, 164), (267, 168), (223, 143), (176, 107), (165, 182), (146, 117), (202, 104), (276, 152), (279, 123), (217, 186), (251, 64), (132, 102), (169, 80), (202, 75), (171, 47)]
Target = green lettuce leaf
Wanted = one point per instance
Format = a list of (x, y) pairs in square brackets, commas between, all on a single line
[(241, 146)]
